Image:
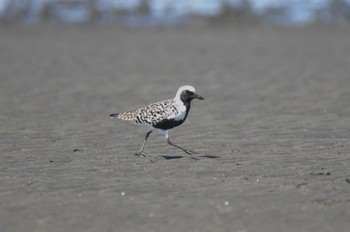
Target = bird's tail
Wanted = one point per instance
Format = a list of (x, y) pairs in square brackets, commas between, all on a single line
[(129, 116)]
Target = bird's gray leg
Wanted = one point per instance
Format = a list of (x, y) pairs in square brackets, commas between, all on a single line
[(183, 149), (141, 153)]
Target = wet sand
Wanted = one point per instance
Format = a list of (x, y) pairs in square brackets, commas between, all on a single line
[(272, 134)]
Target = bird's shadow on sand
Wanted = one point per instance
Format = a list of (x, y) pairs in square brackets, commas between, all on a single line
[(196, 157)]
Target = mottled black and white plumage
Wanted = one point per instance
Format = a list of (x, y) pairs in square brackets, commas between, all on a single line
[(163, 115)]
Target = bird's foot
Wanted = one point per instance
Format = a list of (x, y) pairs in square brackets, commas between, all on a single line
[(189, 151), (141, 153), (183, 149)]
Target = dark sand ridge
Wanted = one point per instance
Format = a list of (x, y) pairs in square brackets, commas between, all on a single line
[(273, 132)]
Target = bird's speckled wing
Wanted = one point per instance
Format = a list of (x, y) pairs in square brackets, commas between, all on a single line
[(152, 113)]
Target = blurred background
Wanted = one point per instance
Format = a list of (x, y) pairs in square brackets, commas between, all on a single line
[(160, 12)]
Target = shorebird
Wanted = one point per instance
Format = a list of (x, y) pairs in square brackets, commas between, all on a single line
[(163, 115)]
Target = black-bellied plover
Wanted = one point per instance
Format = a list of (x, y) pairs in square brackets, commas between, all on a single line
[(163, 115)]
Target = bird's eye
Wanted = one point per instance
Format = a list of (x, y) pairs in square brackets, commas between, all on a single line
[(188, 92)]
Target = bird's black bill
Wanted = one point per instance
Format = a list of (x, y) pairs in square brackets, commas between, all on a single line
[(198, 97)]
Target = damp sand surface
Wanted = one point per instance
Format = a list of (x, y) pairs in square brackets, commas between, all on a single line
[(272, 134)]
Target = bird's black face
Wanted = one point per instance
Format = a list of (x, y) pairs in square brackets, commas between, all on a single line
[(187, 96)]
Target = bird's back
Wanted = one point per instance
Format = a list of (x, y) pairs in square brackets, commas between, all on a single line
[(153, 113)]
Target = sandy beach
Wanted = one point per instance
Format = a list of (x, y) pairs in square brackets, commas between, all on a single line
[(273, 133)]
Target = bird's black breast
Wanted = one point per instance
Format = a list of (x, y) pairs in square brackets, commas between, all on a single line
[(167, 124)]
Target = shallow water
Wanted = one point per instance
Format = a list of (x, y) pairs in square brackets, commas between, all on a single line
[(149, 13)]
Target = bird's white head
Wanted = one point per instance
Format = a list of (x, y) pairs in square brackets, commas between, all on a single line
[(187, 93)]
